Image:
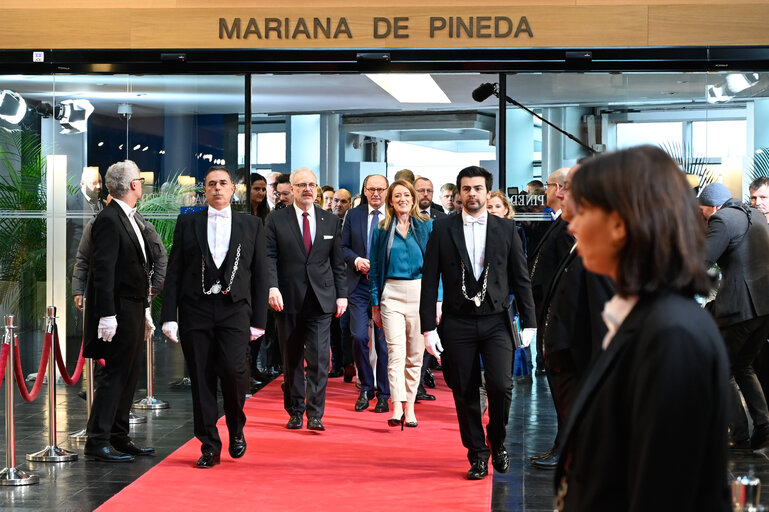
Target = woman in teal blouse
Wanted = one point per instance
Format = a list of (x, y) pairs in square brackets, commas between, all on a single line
[(397, 254)]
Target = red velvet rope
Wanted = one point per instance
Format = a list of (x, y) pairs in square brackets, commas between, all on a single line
[(3, 359), (70, 380), (29, 396)]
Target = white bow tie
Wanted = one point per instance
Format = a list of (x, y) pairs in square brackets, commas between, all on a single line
[(213, 212), (473, 220)]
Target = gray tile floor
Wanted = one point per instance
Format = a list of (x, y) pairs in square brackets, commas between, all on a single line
[(83, 485)]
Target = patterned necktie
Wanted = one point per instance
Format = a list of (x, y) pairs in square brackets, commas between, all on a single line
[(374, 222), (306, 232)]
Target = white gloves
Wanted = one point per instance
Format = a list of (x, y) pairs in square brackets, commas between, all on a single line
[(171, 330), (256, 333), (149, 325), (433, 344), (528, 335), (107, 327)]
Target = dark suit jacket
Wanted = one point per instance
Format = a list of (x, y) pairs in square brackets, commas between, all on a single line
[(545, 259), (507, 272), (183, 277), (118, 271), (662, 383), (293, 271), (355, 240), (573, 319), (738, 240), (436, 213), (81, 212)]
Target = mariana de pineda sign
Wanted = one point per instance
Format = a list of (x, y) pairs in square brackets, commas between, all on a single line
[(397, 27)]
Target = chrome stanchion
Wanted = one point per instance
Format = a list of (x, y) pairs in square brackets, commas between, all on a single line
[(150, 402), (52, 452), (135, 419), (11, 475), (81, 436)]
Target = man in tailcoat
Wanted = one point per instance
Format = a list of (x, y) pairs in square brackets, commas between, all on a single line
[(480, 261), (214, 303)]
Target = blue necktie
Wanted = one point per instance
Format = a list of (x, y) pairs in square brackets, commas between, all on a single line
[(374, 222)]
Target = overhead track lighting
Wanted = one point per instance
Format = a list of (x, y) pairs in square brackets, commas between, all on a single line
[(13, 108), (73, 115)]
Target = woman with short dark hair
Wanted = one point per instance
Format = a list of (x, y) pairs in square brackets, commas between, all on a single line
[(660, 386)]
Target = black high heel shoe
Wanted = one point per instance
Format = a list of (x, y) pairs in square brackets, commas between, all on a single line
[(394, 423), (411, 424)]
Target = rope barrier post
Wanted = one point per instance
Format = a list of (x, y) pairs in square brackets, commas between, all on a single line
[(81, 436), (134, 419), (11, 475), (52, 452), (150, 402)]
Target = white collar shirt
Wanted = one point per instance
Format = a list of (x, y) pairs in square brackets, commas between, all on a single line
[(130, 212), (310, 218), (614, 313), (219, 232), (475, 240)]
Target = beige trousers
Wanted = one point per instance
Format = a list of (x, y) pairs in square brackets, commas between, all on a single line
[(399, 308)]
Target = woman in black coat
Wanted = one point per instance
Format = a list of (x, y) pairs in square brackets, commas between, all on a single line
[(648, 429)]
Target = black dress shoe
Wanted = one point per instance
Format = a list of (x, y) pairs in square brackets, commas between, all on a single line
[(478, 470), (363, 400), (131, 448), (106, 454), (82, 394), (336, 372), (500, 459), (381, 405), (740, 445), (548, 463), (295, 422), (315, 424), (208, 460), (424, 396), (237, 446), (349, 372), (429, 380)]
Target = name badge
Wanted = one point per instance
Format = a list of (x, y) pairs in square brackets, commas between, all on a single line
[(328, 237)]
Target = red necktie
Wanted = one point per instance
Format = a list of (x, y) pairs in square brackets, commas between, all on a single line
[(306, 232)]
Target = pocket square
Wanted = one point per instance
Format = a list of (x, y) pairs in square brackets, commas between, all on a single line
[(328, 237)]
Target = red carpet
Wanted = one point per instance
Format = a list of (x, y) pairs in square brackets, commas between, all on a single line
[(357, 464)]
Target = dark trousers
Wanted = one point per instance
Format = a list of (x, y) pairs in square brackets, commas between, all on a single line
[(115, 382), (341, 341), (467, 339), (214, 335), (305, 336), (360, 315), (744, 341), (563, 379)]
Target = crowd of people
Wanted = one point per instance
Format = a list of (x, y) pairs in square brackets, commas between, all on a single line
[(605, 292)]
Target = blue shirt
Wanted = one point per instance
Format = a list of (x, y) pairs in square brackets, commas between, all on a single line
[(405, 258)]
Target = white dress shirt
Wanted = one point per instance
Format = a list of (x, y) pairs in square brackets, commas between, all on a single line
[(475, 240), (310, 219), (371, 217), (130, 214), (614, 313), (219, 230)]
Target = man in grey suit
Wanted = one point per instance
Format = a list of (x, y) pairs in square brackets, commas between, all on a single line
[(306, 276), (738, 241)]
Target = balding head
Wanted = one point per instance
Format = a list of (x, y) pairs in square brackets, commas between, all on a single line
[(554, 183)]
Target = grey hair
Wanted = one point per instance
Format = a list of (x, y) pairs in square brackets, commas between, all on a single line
[(301, 169), (119, 177)]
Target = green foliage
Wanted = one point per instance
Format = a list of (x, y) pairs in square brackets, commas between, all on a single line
[(691, 164), (760, 167), (22, 219)]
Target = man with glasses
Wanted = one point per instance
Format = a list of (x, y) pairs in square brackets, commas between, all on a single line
[(283, 192), (358, 227), (307, 286), (424, 189)]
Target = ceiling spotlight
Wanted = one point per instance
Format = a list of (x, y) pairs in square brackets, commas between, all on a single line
[(73, 115), (13, 108), (716, 94)]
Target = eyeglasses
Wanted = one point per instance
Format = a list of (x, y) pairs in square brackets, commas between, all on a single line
[(425, 190), (301, 186), (558, 185), (138, 179), (376, 190)]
